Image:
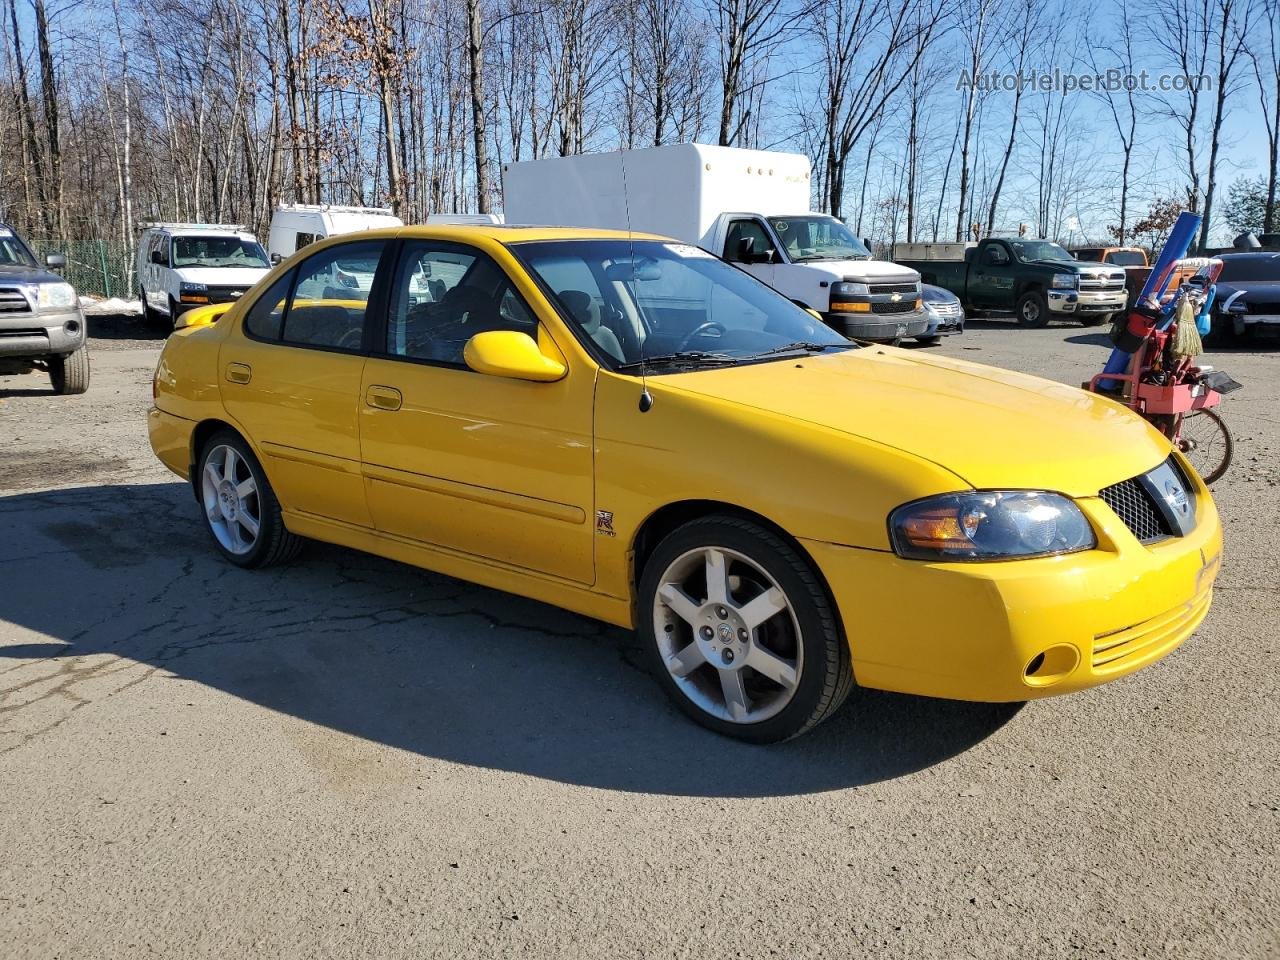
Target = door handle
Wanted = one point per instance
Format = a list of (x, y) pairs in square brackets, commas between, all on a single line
[(383, 398), (239, 372)]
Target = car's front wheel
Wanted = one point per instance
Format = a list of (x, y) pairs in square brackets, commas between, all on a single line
[(240, 509), (69, 374), (740, 632)]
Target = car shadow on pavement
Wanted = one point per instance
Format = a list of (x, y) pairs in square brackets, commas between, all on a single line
[(418, 661)]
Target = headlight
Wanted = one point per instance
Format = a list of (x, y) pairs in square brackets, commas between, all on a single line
[(193, 292), (989, 525), (55, 296), (845, 288), (1065, 281)]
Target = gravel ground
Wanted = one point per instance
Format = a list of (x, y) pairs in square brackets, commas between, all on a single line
[(351, 758)]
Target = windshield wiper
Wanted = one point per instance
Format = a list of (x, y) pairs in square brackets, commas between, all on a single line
[(693, 358), (798, 345)]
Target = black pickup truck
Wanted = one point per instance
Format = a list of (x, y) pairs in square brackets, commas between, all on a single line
[(1035, 280)]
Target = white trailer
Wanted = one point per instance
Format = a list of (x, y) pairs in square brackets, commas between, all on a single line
[(750, 207)]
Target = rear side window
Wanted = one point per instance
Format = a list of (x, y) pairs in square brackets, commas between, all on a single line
[(331, 296), (266, 317)]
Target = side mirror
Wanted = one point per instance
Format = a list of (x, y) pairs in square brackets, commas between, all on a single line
[(157, 257), (506, 353), (56, 261), (276, 258), (745, 253)]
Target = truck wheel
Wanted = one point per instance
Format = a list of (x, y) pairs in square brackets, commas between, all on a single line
[(1095, 319), (173, 314), (1032, 311), (69, 374)]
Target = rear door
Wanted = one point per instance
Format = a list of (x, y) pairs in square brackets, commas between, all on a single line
[(291, 377)]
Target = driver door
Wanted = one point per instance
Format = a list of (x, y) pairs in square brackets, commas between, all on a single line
[(992, 277)]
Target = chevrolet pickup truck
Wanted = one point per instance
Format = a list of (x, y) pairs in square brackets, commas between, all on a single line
[(1035, 280)]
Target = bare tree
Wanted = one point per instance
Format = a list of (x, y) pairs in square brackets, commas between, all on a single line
[(749, 32), (1121, 105), (979, 26), (1265, 57)]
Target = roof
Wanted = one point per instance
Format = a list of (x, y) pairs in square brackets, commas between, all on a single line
[(498, 232), (198, 228), (1249, 255)]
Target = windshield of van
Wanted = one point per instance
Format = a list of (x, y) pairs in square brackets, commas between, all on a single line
[(818, 238), (650, 303), (13, 252), (1246, 269), (1039, 250), (218, 251)]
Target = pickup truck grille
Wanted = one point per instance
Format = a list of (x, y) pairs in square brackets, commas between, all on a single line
[(12, 300), (1110, 281), (902, 306), (893, 288)]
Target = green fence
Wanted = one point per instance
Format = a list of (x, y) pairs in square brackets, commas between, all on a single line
[(95, 268)]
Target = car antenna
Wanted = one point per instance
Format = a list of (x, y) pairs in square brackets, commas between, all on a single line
[(646, 398)]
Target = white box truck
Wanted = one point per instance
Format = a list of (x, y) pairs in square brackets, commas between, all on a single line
[(748, 206)]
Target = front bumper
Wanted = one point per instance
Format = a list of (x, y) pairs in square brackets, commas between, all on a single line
[(1086, 301), (869, 326), (41, 334), (1023, 629)]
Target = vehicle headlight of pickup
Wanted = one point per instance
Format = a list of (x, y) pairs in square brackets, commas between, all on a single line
[(193, 293), (847, 288), (55, 296), (1065, 281), (989, 525)]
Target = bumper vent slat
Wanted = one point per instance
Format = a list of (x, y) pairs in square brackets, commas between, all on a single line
[(1116, 651)]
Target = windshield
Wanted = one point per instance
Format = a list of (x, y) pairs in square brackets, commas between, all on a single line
[(1127, 258), (818, 238), (667, 302), (218, 252), (13, 252), (1039, 250), (1246, 269)]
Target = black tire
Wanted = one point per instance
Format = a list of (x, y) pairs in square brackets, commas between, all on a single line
[(173, 315), (928, 341), (826, 672), (1032, 311), (1222, 333), (1095, 319), (274, 544), (1211, 456), (150, 317), (69, 374)]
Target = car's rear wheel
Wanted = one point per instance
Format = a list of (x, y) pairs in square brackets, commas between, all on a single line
[(740, 632), (69, 374), (240, 509), (1032, 311)]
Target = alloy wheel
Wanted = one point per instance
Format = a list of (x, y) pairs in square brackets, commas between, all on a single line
[(728, 635), (232, 506)]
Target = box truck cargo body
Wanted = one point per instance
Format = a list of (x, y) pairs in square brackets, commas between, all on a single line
[(750, 207)]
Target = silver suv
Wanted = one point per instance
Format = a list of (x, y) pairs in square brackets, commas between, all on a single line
[(41, 324)]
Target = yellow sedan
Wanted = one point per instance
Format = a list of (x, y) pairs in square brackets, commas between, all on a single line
[(632, 429)]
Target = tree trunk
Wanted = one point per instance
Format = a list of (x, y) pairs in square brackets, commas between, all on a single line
[(475, 74)]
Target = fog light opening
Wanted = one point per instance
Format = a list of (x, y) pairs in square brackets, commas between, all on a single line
[(72, 326), (1052, 665)]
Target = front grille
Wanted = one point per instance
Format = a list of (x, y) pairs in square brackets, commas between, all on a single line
[(902, 306), (1132, 504), (226, 294), (33, 332), (948, 311), (1119, 650), (1111, 281), (893, 288), (12, 300)]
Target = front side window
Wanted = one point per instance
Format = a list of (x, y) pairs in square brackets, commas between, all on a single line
[(331, 296), (217, 251), (996, 257), (443, 296), (816, 237), (647, 299), (740, 230)]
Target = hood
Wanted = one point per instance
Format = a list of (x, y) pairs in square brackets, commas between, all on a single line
[(933, 294), (995, 429), (861, 271), (222, 276), (15, 273), (1253, 293)]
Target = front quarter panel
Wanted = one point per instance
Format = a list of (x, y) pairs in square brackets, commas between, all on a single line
[(811, 481)]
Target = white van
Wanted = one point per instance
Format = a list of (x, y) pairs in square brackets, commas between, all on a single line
[(295, 225), (748, 206), (186, 265)]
